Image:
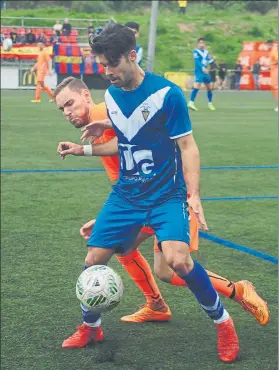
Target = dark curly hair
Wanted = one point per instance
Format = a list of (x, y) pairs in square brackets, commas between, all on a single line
[(113, 42)]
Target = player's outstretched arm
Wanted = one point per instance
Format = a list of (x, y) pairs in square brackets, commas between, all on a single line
[(100, 150), (66, 148), (191, 165)]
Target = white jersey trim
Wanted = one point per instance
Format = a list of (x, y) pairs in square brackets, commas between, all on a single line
[(141, 115), (178, 136)]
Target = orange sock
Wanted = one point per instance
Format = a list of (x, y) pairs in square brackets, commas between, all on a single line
[(38, 92), (49, 92), (221, 284), (176, 280), (139, 270)]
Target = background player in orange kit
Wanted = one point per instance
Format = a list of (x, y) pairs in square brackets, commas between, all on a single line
[(80, 110), (43, 67), (273, 47)]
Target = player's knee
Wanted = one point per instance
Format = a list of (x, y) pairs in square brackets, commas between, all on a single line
[(181, 263), (91, 259)]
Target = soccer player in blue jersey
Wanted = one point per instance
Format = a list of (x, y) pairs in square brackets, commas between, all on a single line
[(135, 27), (155, 143), (202, 60)]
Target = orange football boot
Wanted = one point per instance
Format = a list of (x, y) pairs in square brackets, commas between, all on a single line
[(150, 311), (248, 298), (84, 335), (228, 344)]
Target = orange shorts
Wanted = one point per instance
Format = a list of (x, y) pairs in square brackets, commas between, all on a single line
[(194, 233)]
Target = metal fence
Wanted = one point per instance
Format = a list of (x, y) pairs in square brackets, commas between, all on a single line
[(20, 22)]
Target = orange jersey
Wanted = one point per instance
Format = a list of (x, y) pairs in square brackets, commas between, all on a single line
[(42, 62), (111, 164)]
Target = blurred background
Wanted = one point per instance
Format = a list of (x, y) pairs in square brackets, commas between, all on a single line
[(232, 29)]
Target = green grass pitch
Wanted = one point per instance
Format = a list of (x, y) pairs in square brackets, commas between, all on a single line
[(43, 254)]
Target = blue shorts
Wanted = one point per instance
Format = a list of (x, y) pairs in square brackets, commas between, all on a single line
[(119, 223), (203, 78)]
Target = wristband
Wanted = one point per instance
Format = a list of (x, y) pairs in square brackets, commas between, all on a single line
[(87, 150)]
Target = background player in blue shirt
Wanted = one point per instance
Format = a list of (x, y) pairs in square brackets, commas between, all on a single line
[(202, 60), (155, 143), (135, 27)]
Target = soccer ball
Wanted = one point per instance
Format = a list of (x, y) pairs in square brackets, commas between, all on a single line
[(99, 288), (7, 44)]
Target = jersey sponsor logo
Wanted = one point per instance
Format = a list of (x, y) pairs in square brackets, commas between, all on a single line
[(136, 161)]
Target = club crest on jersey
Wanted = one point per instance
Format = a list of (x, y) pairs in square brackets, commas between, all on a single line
[(145, 112)]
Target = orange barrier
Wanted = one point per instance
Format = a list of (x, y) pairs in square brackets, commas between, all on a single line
[(252, 52)]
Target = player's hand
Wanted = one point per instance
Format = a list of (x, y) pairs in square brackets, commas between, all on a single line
[(205, 70), (94, 130), (66, 147), (195, 204), (86, 229)]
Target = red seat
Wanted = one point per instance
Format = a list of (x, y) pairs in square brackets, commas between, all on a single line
[(74, 33), (38, 31), (9, 30), (4, 30), (48, 32), (72, 40), (64, 39), (20, 31)]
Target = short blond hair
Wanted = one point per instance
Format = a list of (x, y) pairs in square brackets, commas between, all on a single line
[(74, 84)]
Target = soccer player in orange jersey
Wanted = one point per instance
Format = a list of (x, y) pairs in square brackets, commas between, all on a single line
[(76, 103), (43, 68), (274, 69)]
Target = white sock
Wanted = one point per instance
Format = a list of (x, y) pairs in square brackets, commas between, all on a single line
[(94, 324), (224, 317)]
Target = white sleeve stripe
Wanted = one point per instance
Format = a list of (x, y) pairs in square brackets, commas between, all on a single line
[(178, 136)]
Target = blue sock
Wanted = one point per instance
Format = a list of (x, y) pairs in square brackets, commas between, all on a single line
[(194, 94), (200, 285), (209, 95), (90, 318)]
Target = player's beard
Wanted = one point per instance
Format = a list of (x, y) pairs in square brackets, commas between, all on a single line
[(79, 122), (127, 82)]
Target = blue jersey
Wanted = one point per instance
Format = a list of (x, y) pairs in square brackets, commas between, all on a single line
[(147, 121), (201, 59), (139, 51)]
